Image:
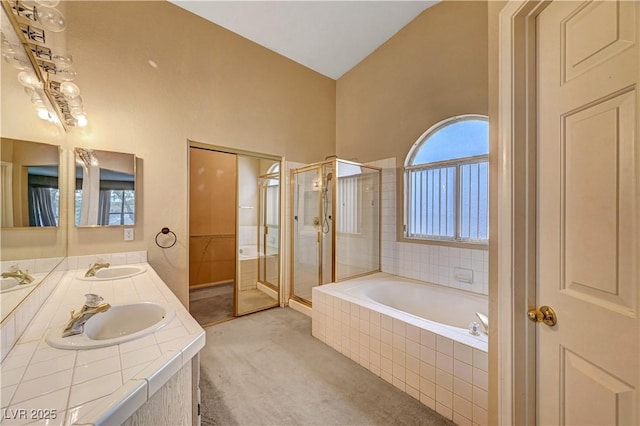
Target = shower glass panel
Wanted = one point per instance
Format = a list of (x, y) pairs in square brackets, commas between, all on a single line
[(306, 187), (357, 220), (268, 245), (336, 224), (258, 226)]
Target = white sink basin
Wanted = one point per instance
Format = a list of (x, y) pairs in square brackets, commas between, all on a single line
[(11, 284), (119, 324), (114, 273)]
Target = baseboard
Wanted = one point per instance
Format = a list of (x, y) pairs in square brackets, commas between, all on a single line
[(297, 306)]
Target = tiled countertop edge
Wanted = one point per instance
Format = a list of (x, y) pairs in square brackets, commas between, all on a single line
[(176, 348), (123, 403)]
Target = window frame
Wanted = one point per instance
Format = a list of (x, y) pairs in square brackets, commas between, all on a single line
[(456, 163)]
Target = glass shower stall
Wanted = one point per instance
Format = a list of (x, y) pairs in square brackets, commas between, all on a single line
[(335, 224)]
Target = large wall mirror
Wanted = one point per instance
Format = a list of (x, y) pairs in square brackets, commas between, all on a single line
[(105, 192), (29, 183)]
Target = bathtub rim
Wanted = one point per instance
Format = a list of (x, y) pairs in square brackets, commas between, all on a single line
[(457, 334)]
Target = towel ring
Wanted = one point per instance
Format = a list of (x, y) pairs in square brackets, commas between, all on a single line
[(166, 231)]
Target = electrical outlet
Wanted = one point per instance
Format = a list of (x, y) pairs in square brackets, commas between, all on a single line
[(128, 234)]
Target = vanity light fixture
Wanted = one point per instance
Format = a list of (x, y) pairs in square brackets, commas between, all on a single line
[(46, 69)]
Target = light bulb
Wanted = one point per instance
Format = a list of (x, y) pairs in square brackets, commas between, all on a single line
[(28, 79), (82, 121), (76, 111), (43, 113), (15, 61), (69, 89), (75, 102), (51, 19), (62, 60), (66, 74)]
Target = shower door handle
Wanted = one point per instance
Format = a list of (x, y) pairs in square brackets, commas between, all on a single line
[(318, 237)]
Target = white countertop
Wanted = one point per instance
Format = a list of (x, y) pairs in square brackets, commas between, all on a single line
[(94, 386)]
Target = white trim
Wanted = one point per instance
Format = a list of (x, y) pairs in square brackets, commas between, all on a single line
[(516, 338)]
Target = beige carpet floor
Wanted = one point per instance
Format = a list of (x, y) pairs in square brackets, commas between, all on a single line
[(267, 369)]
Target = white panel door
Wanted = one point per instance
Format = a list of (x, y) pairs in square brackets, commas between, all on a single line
[(588, 365)]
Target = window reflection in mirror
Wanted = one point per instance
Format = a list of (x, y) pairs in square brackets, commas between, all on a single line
[(105, 188), (29, 184)]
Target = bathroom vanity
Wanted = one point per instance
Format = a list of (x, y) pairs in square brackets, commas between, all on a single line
[(149, 379)]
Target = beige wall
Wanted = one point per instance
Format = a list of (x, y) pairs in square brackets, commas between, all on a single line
[(210, 86), (432, 69)]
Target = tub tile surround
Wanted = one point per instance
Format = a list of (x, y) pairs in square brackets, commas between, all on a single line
[(103, 385), (445, 370), (436, 264)]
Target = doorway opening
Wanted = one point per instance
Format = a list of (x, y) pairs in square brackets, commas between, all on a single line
[(234, 233)]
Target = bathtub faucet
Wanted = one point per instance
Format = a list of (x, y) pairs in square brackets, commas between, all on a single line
[(484, 320)]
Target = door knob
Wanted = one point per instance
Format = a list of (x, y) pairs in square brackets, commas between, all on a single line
[(545, 314)]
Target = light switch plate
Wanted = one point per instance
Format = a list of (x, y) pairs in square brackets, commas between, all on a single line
[(128, 234)]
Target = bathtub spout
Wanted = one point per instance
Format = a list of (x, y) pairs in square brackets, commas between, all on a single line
[(484, 320)]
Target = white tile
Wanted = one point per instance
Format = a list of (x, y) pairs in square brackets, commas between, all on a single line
[(399, 342), (91, 355), (480, 360), (412, 379), (41, 369), (444, 345), (480, 398), (480, 379), (480, 416), (413, 333), (387, 323), (428, 371), (427, 355), (444, 396), (6, 393), (412, 348), (34, 388), (444, 363), (428, 401), (139, 356), (428, 339), (463, 371), (462, 406), (444, 411), (103, 367), (140, 343), (463, 353), (94, 389), (460, 420), (160, 371), (117, 408), (51, 401), (399, 357), (48, 354), (413, 364), (75, 413), (463, 389), (444, 379)]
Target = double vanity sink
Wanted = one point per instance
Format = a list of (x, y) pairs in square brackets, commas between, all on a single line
[(137, 341), (110, 324)]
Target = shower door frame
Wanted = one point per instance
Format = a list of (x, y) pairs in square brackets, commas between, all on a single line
[(262, 156), (263, 211), (318, 165)]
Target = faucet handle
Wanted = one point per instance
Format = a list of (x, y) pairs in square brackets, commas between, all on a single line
[(92, 300)]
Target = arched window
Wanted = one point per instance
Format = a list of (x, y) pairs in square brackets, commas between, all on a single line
[(447, 182)]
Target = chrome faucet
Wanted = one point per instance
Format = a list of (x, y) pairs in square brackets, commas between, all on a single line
[(484, 320), (22, 277), (91, 307), (95, 267)]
